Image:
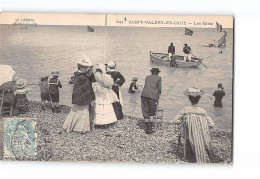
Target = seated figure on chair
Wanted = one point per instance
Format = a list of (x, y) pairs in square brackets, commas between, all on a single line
[(9, 99), (196, 129)]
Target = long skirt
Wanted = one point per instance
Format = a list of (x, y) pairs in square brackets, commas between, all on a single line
[(118, 110), (78, 119), (104, 114), (22, 103)]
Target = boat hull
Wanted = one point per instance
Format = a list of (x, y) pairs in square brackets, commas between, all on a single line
[(163, 59)]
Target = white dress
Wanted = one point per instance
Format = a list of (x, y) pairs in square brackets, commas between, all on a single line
[(104, 97)]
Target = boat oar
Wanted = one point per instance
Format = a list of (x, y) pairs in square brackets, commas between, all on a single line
[(199, 60)]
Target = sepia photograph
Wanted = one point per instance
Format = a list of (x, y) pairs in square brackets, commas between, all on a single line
[(116, 88)]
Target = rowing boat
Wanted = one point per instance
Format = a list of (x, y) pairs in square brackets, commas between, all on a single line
[(163, 59)]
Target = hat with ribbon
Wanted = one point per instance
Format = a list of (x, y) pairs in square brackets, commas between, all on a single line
[(44, 76), (193, 92), (55, 73), (111, 64), (20, 83), (155, 69)]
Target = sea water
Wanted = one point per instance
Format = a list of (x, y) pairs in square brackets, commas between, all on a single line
[(40, 50)]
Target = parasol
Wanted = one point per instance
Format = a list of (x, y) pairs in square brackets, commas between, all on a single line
[(6, 73)]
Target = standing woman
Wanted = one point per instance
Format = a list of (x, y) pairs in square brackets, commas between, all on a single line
[(118, 82), (104, 97), (80, 115)]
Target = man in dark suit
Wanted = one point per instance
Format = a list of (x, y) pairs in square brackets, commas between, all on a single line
[(149, 98), (171, 50)]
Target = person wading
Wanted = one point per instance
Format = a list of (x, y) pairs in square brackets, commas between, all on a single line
[(150, 97)]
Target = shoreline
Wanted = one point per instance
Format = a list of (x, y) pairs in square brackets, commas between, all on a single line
[(124, 141)]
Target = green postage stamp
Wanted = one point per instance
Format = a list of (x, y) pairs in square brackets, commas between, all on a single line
[(20, 138)]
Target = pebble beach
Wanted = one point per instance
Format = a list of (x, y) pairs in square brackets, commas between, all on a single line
[(125, 141)]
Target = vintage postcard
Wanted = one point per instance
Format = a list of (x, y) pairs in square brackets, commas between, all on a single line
[(116, 88)]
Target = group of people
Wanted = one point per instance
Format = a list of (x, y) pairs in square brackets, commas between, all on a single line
[(96, 97), (186, 51), (14, 96), (194, 120), (97, 101), (50, 91)]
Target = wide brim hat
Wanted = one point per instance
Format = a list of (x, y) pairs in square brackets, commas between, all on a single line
[(85, 63), (111, 64), (155, 69), (45, 76), (20, 83), (193, 92), (55, 73)]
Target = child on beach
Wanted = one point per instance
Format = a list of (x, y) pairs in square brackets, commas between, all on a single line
[(133, 86), (20, 92), (55, 84), (44, 88)]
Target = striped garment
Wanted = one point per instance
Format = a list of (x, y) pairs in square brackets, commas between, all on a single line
[(197, 124)]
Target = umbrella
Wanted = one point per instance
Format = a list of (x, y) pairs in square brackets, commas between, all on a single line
[(6, 73)]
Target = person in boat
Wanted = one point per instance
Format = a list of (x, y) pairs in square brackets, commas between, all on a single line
[(104, 98), (118, 82), (80, 117), (54, 85), (219, 94), (186, 51), (150, 97), (195, 124), (133, 86), (171, 50)]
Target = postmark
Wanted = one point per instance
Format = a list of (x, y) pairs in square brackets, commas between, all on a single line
[(20, 138)]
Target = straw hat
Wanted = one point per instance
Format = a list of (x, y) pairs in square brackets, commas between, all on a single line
[(135, 79), (155, 69), (85, 62), (55, 73), (193, 92), (111, 64), (20, 83), (44, 76)]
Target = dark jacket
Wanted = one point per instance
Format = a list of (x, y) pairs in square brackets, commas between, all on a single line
[(132, 85), (153, 87), (54, 85), (83, 93), (118, 79), (186, 50), (171, 49)]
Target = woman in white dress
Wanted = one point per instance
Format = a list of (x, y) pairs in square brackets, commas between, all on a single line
[(104, 97)]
